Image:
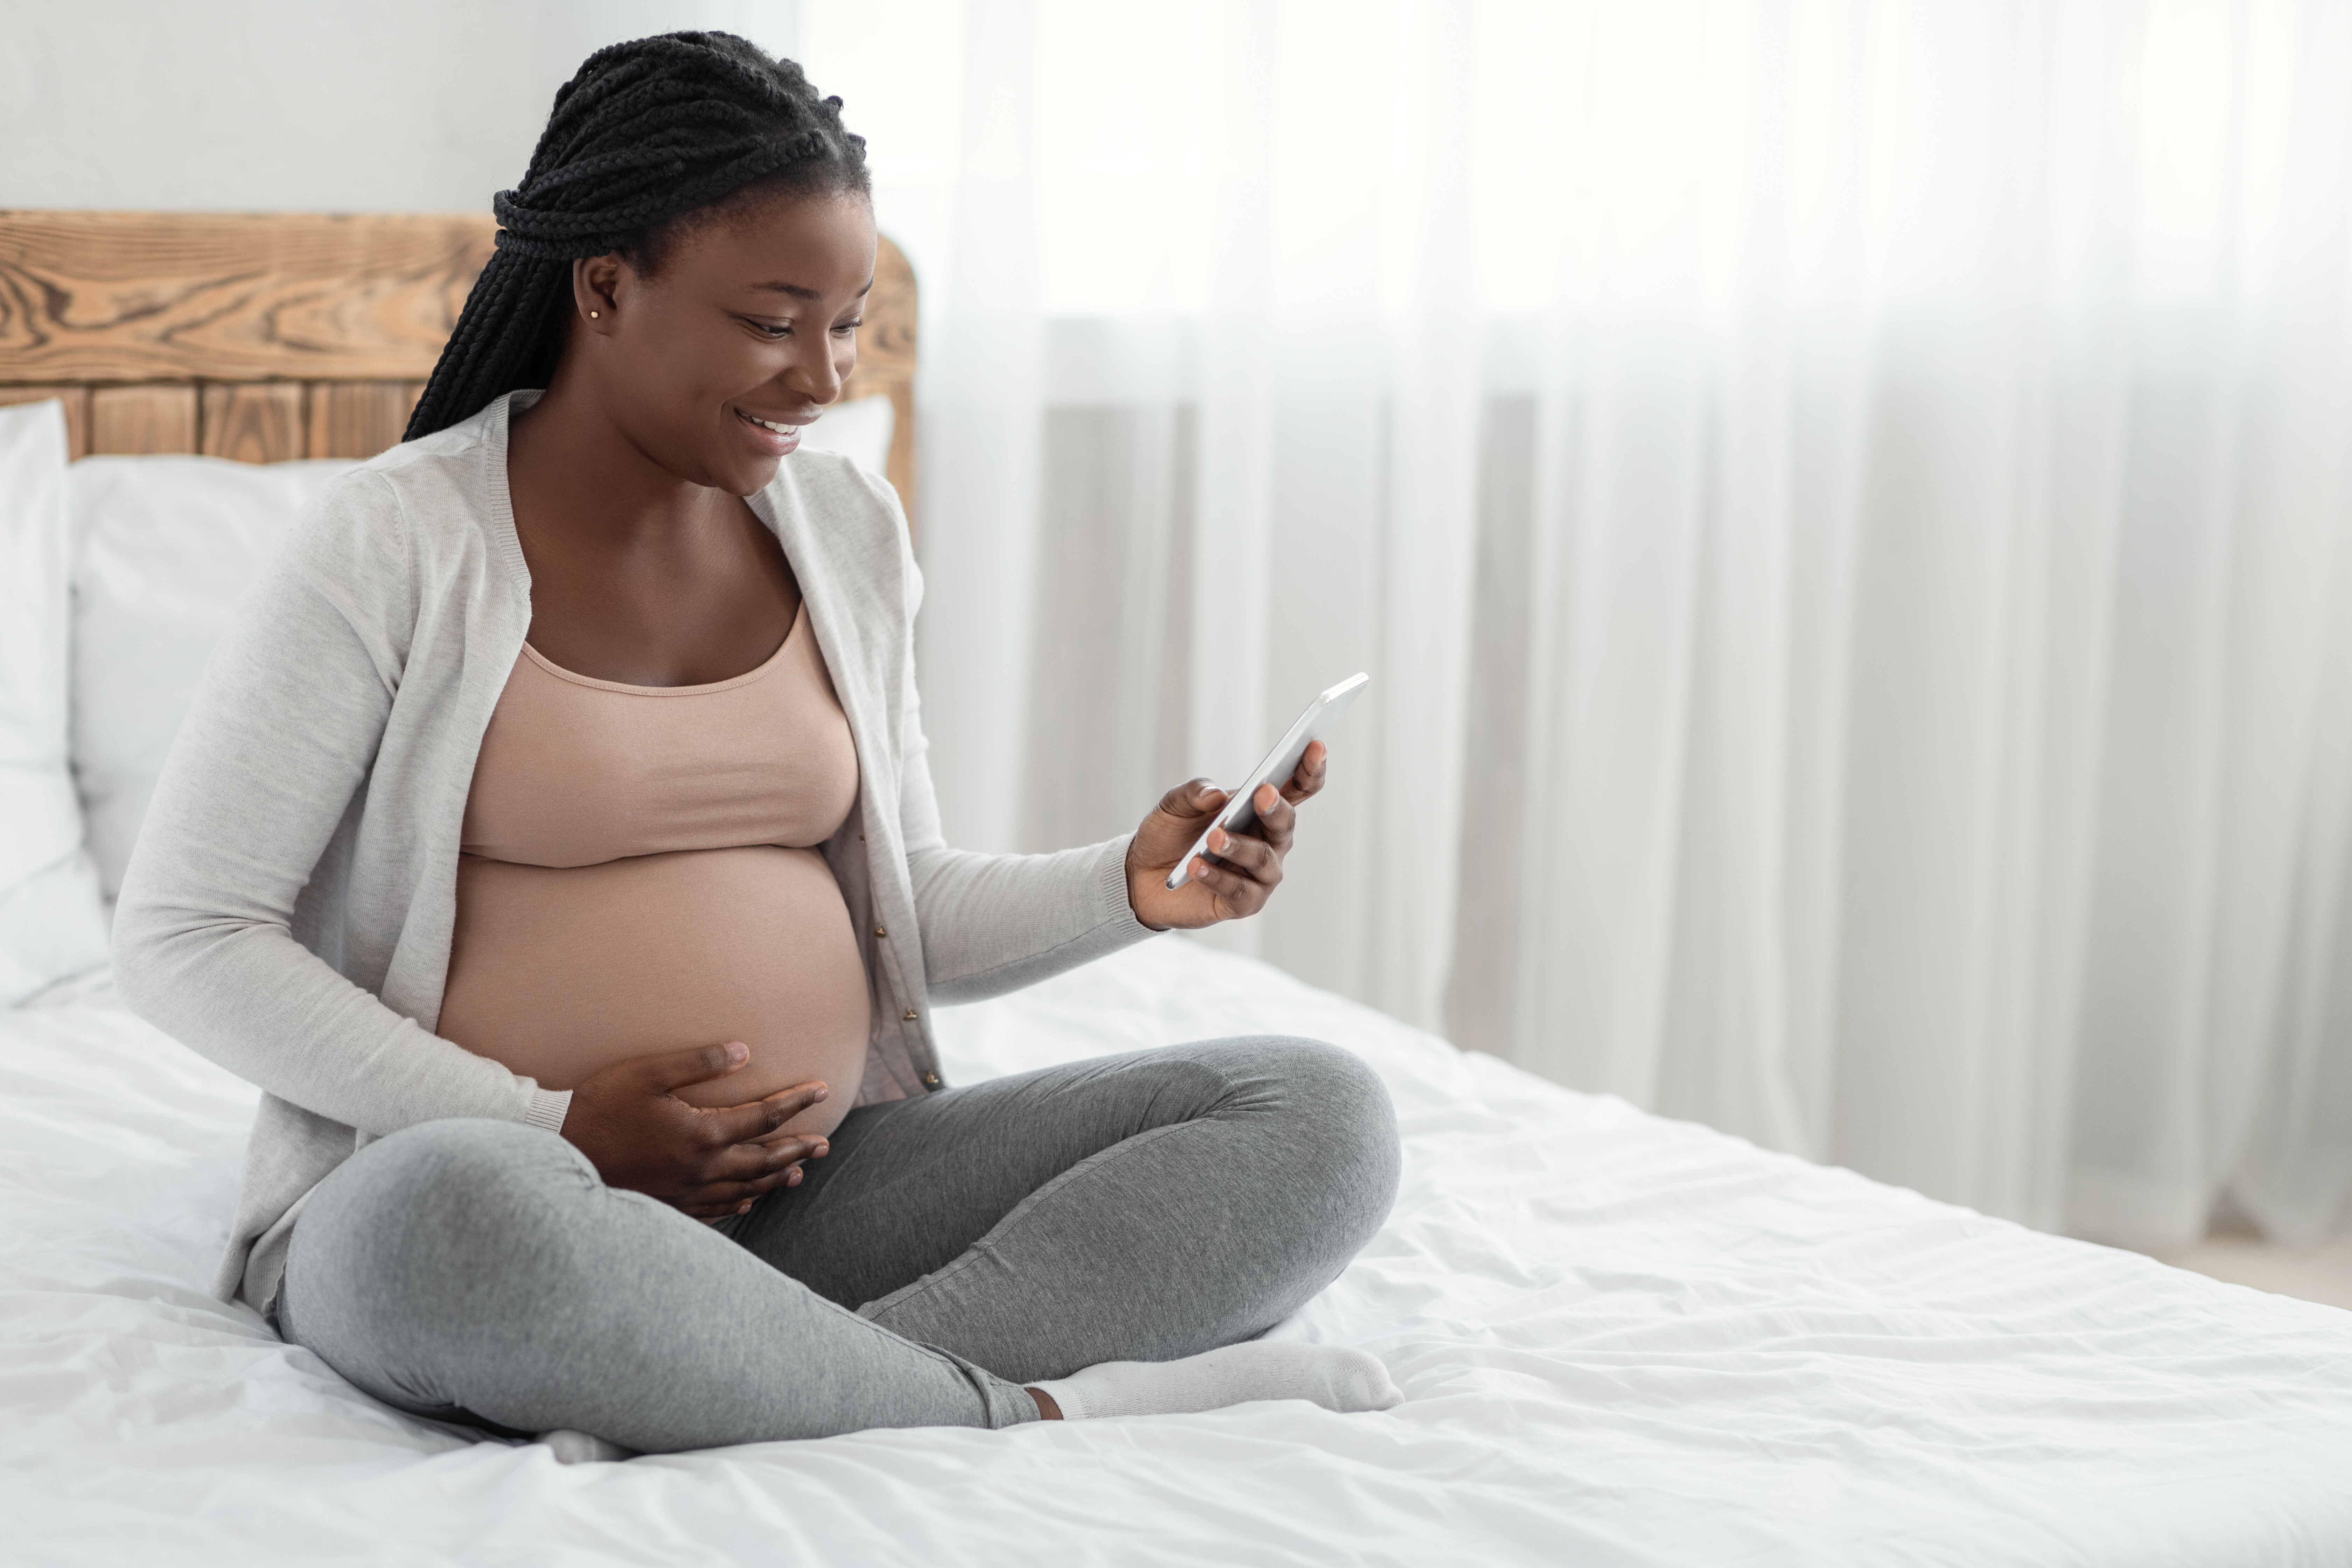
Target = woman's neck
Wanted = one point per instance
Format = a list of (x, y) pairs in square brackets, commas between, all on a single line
[(572, 467)]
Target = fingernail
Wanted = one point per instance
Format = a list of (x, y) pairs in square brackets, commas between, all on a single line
[(736, 1050), (821, 1093), (744, 1207), (1221, 841), (821, 1148)]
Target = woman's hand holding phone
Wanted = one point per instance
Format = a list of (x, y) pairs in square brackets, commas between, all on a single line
[(1241, 871)]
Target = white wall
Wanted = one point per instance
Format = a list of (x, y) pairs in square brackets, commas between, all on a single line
[(420, 106), (317, 104)]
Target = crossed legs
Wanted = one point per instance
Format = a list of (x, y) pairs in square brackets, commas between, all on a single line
[(948, 1251)]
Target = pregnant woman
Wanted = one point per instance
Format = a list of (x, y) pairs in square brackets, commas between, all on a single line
[(552, 843)]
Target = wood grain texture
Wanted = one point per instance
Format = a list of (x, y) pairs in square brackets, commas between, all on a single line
[(886, 343), (76, 402), (901, 469), (359, 419), (231, 296), (887, 357), (354, 307), (254, 421), (143, 419)]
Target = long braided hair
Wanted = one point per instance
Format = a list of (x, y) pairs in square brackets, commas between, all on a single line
[(647, 133)]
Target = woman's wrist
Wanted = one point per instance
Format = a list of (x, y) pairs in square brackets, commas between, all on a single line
[(1138, 881)]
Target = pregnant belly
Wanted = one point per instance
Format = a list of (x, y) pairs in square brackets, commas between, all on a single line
[(560, 972)]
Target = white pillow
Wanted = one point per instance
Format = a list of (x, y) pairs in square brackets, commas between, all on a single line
[(51, 925), (859, 431), (163, 550)]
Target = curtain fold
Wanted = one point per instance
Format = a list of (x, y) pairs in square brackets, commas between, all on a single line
[(1843, 502)]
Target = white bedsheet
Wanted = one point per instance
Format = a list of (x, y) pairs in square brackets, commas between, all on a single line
[(1623, 1341)]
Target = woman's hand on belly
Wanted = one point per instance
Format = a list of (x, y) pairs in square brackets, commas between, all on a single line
[(709, 1163)]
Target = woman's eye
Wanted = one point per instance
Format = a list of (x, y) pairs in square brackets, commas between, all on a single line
[(850, 326)]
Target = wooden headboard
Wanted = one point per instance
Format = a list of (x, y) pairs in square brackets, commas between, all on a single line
[(267, 336)]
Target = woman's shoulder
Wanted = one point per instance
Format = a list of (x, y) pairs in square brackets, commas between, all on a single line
[(858, 508), (449, 477), (849, 520), (419, 510)]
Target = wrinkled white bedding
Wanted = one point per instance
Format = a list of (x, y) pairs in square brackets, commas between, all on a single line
[(1622, 1340)]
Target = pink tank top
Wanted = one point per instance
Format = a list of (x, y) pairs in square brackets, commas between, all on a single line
[(641, 873)]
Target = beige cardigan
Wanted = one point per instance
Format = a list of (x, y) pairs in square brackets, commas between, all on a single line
[(289, 908)]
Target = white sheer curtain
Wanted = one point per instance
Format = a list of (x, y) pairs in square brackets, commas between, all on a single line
[(1844, 504)]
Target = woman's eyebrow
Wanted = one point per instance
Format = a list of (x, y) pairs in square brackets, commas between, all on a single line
[(801, 292)]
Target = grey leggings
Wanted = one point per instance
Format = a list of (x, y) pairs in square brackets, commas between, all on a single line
[(948, 1251)]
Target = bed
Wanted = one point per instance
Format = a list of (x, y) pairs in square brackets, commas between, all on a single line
[(1622, 1340)]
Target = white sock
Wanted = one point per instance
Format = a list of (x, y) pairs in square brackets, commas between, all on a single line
[(1334, 1376), (573, 1448)]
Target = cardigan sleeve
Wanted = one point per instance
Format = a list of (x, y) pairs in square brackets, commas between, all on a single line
[(275, 748), (994, 923)]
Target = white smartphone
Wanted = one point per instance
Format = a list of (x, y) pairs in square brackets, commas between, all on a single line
[(1279, 765)]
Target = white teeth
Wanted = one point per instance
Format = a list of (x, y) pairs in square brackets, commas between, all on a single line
[(771, 424)]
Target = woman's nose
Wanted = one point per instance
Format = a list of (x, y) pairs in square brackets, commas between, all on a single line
[(813, 372)]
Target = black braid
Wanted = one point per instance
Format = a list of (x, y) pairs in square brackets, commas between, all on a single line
[(645, 134)]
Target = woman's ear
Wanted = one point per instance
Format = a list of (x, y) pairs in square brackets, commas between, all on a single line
[(596, 284)]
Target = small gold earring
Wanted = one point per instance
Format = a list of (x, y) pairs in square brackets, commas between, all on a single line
[(592, 315)]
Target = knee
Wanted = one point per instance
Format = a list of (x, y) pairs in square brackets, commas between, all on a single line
[(431, 1208), (1339, 1112), (462, 1173)]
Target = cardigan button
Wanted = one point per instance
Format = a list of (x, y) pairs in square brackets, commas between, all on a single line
[(910, 1015), (881, 931), (930, 1079)]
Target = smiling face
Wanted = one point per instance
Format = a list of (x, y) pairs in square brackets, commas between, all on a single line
[(742, 331)]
